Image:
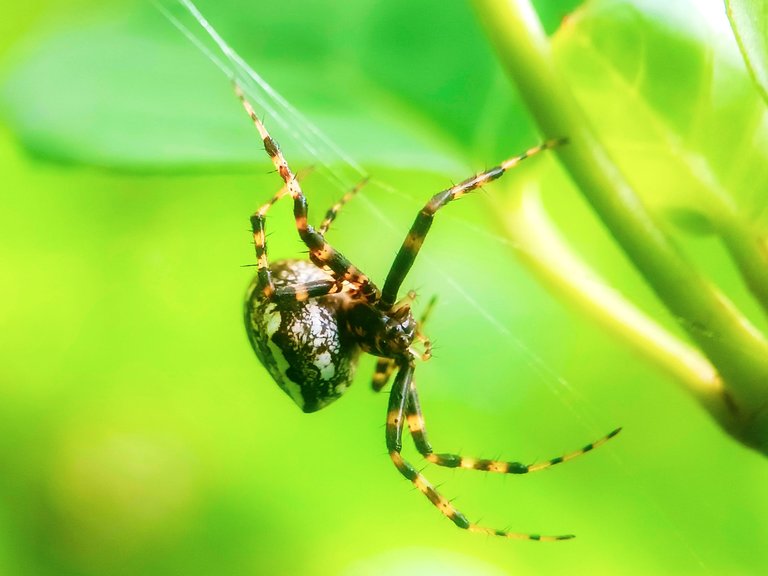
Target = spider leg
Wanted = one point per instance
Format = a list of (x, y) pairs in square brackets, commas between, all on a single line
[(320, 251), (333, 211), (421, 225), (398, 400), (415, 420), (265, 285), (258, 220), (301, 292), (426, 342), (384, 369)]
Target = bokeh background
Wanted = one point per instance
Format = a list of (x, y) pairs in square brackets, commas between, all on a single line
[(138, 433)]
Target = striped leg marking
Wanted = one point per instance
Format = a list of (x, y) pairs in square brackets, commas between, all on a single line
[(384, 369), (302, 292), (415, 419), (421, 225), (320, 251), (333, 211), (258, 221), (396, 416)]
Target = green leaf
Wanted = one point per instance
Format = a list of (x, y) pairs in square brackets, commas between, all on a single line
[(388, 81), (749, 20), (663, 84), (130, 92), (665, 88)]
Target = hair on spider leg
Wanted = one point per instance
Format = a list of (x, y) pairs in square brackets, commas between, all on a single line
[(435, 346), (266, 235)]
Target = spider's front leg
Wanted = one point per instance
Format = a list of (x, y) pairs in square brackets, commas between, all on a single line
[(423, 222), (399, 399)]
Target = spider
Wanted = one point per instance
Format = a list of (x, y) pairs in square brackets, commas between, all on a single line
[(308, 322)]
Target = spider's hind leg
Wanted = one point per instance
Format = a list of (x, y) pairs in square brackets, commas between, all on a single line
[(321, 252)]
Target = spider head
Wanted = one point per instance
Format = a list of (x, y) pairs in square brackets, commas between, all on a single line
[(383, 333), (399, 331)]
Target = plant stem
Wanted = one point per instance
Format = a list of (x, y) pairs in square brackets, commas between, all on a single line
[(750, 253), (541, 247), (735, 348)]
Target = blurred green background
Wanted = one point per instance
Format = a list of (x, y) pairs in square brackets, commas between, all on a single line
[(139, 434)]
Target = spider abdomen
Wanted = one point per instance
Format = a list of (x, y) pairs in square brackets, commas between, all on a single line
[(303, 344)]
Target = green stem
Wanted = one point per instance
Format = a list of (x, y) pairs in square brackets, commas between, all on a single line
[(750, 253), (737, 350), (541, 247)]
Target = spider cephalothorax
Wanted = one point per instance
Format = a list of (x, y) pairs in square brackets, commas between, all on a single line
[(308, 321), (385, 334)]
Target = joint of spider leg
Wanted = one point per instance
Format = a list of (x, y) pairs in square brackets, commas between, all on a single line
[(420, 356), (267, 292), (555, 142), (426, 343), (489, 175)]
